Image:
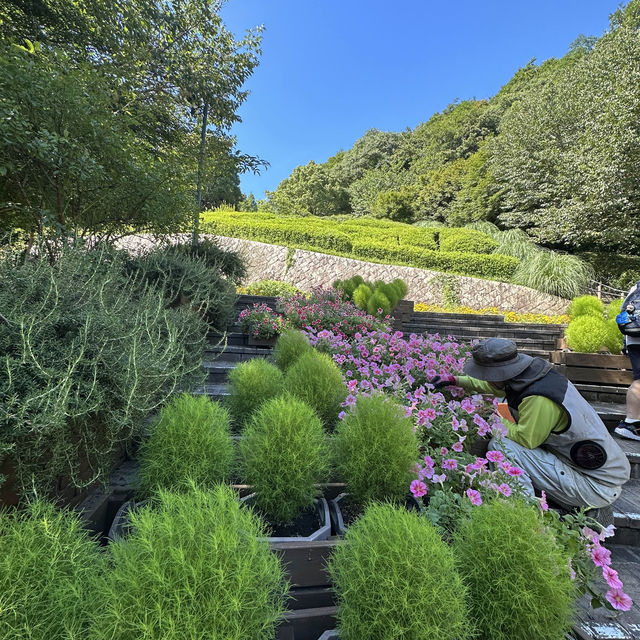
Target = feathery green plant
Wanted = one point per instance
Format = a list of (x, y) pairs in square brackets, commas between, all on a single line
[(486, 227), (517, 575), (250, 384), (613, 309), (396, 578), (194, 566), (614, 340), (316, 380), (47, 567), (557, 274), (290, 346), (516, 243), (375, 449), (586, 306), (283, 455), (586, 334), (191, 442)]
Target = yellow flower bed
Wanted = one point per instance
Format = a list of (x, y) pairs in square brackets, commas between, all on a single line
[(509, 316)]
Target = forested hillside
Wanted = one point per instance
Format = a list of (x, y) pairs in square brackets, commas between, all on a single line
[(556, 152)]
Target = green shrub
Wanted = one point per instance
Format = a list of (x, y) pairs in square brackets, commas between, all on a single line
[(271, 288), (378, 304), (375, 449), (394, 205), (90, 353), (229, 263), (188, 280), (466, 241), (396, 578), (401, 286), (250, 384), (613, 309), (517, 575), (194, 566), (515, 242), (290, 346), (316, 380), (47, 565), (190, 442), (348, 286), (486, 227), (586, 334), (283, 454), (554, 273), (361, 296), (614, 340), (586, 306)]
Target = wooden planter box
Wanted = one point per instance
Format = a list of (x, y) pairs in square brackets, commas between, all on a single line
[(402, 314), (307, 624), (261, 342), (593, 368)]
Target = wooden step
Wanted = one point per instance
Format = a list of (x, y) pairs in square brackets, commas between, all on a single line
[(626, 514)]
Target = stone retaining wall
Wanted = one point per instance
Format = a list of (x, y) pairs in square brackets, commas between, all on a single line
[(308, 269)]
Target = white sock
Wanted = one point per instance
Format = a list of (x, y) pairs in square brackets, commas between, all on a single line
[(631, 420)]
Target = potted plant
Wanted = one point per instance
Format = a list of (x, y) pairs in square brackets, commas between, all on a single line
[(395, 577), (195, 565), (261, 324), (190, 442), (375, 449), (283, 455)]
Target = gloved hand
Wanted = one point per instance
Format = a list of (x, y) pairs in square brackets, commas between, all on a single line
[(440, 382)]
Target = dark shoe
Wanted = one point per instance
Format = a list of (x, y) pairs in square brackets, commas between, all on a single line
[(603, 515), (629, 431)]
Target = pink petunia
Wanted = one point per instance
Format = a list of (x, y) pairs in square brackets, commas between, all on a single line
[(428, 460), (542, 503), (439, 478), (444, 451), (611, 576), (505, 489), (601, 557), (515, 472), (495, 456), (450, 464), (619, 599), (458, 447), (418, 488), (474, 496)]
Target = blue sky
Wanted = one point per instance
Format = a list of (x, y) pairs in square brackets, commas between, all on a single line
[(332, 69)]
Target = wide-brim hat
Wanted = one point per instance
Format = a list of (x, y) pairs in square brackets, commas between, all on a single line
[(496, 360)]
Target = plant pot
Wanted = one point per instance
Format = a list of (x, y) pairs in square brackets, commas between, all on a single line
[(479, 448), (252, 341), (322, 533), (337, 520), (121, 525)]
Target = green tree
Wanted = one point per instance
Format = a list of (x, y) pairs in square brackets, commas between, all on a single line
[(248, 203), (310, 190)]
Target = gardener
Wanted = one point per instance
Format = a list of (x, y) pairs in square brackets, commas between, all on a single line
[(557, 438)]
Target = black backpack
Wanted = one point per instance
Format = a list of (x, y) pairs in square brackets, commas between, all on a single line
[(629, 317)]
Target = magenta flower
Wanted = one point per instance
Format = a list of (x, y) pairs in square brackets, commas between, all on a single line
[(611, 576), (474, 496), (601, 557), (450, 464), (619, 599), (418, 488), (428, 460), (515, 472), (444, 451), (458, 447), (495, 456), (542, 503), (505, 489)]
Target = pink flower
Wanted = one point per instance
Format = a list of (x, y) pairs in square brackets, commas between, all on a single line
[(607, 532), (474, 496), (439, 478), (458, 447), (611, 576), (495, 456), (418, 488), (444, 451), (505, 489), (515, 472), (590, 534), (428, 460), (450, 464), (619, 599), (542, 503), (601, 557)]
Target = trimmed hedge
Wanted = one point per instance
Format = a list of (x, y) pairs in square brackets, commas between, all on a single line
[(381, 240)]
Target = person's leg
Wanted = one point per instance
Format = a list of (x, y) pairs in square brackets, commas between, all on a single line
[(630, 426), (560, 481)]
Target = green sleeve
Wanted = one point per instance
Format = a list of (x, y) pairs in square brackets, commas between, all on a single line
[(537, 418), (478, 386)]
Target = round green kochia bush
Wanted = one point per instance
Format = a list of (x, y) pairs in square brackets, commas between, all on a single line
[(586, 334), (195, 565), (518, 577), (283, 455), (191, 441), (361, 295), (613, 309), (586, 306), (379, 304), (614, 340), (290, 346), (396, 578), (375, 449), (250, 384), (47, 567), (316, 380)]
